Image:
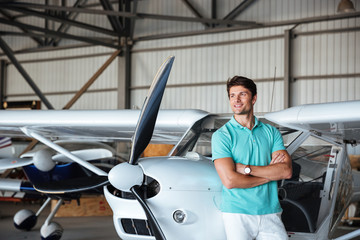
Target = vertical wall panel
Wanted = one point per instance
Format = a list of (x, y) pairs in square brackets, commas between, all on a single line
[(56, 78)]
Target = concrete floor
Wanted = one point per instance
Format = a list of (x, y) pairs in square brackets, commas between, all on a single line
[(75, 228)]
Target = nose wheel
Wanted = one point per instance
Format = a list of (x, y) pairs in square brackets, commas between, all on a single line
[(52, 231), (26, 219)]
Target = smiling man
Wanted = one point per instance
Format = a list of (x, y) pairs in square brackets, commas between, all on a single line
[(249, 157)]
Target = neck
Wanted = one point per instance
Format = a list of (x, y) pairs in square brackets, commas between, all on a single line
[(246, 120)]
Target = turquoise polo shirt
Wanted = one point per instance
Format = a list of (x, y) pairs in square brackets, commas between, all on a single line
[(249, 147)]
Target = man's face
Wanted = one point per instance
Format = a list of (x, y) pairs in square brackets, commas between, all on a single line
[(241, 100)]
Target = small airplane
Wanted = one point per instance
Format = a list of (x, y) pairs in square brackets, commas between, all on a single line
[(53, 175), (177, 196)]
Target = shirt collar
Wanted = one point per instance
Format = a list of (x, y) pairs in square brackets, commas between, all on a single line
[(236, 124)]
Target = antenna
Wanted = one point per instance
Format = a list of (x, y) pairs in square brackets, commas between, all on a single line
[(273, 90)]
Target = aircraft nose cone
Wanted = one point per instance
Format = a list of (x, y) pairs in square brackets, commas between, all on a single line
[(124, 176)]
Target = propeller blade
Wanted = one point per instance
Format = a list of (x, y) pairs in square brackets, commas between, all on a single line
[(154, 225), (149, 112)]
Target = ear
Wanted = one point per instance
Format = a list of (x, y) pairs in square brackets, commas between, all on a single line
[(254, 99)]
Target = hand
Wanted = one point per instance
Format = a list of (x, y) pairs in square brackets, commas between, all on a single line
[(278, 158), (240, 168)]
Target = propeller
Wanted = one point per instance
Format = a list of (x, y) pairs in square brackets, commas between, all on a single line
[(129, 176)]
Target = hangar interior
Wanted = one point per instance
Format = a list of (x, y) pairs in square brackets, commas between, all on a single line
[(298, 52), (103, 54)]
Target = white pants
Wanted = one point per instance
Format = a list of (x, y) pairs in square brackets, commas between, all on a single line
[(249, 227)]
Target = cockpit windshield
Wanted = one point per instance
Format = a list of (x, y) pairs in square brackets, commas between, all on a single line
[(198, 138)]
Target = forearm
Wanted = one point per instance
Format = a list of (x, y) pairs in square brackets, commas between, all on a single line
[(230, 178), (238, 180), (279, 168), (272, 172)]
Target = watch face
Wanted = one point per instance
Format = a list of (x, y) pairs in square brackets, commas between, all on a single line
[(247, 170)]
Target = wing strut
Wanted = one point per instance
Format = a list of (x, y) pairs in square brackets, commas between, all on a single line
[(63, 151)]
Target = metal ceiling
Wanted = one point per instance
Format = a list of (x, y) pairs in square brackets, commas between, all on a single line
[(122, 16)]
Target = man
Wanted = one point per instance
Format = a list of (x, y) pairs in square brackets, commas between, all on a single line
[(249, 157)]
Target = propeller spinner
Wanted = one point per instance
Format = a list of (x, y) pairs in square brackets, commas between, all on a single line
[(129, 176)]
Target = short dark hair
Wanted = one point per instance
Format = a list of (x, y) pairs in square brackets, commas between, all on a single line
[(241, 81)]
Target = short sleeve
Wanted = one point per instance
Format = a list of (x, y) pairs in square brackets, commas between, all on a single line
[(278, 143), (220, 145)]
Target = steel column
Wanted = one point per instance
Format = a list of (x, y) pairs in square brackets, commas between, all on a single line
[(213, 11), (22, 71), (127, 75), (124, 79), (287, 68), (2, 82)]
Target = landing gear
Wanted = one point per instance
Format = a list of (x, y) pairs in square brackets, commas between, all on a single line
[(26, 219), (52, 230)]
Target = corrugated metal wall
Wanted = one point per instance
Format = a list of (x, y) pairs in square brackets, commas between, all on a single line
[(201, 69), (60, 74), (325, 65)]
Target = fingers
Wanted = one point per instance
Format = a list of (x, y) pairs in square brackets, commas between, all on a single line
[(278, 158)]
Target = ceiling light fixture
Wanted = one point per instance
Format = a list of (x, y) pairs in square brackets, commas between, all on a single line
[(345, 6)]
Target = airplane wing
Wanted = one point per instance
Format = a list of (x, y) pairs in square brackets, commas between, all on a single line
[(89, 125), (339, 121), (97, 125)]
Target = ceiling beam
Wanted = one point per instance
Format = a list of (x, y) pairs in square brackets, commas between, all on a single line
[(64, 20), (239, 9), (132, 20), (39, 35), (127, 23), (114, 21), (59, 35), (130, 15), (65, 27), (39, 41), (239, 28), (194, 11)]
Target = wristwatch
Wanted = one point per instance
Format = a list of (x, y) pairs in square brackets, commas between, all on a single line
[(247, 170)]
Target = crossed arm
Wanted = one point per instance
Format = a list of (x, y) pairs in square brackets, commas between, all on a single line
[(232, 175)]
